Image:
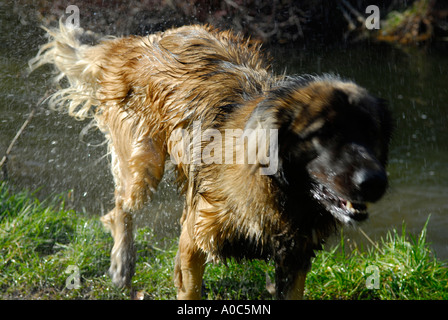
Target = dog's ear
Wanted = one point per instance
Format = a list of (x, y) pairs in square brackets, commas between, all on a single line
[(261, 131)]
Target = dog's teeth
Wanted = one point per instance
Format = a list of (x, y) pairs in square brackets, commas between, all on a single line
[(350, 207)]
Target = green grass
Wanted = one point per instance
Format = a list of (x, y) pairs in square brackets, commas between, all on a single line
[(40, 240), (405, 267)]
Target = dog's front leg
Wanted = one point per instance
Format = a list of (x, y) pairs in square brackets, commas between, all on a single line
[(189, 268), (295, 291), (289, 281), (290, 287)]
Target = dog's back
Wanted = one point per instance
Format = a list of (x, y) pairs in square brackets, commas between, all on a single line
[(158, 77)]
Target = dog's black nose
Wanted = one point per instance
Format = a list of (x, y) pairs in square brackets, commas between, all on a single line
[(371, 184)]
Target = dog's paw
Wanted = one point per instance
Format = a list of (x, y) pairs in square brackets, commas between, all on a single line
[(122, 267)]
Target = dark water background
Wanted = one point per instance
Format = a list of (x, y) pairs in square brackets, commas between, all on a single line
[(54, 157)]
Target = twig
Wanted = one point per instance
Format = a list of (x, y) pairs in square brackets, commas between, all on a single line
[(355, 12), (371, 241), (16, 137), (14, 140), (4, 160), (351, 24)]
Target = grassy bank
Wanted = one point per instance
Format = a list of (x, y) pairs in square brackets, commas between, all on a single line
[(39, 241)]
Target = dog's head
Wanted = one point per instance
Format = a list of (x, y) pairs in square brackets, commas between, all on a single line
[(335, 135)]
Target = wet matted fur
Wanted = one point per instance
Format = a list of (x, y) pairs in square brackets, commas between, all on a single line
[(330, 148)]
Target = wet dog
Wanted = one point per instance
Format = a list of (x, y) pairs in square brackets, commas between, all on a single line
[(270, 165)]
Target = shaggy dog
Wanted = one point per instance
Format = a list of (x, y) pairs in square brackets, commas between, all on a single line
[(270, 165)]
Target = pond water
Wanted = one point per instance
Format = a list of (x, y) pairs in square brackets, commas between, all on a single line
[(56, 154)]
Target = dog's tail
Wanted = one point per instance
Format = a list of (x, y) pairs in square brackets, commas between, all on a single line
[(79, 63)]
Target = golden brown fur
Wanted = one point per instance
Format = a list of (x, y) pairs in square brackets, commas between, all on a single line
[(142, 90)]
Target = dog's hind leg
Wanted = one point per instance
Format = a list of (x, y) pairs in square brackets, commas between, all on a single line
[(189, 268), (137, 167), (120, 223)]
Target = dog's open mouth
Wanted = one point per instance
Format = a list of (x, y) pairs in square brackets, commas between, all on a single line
[(343, 209)]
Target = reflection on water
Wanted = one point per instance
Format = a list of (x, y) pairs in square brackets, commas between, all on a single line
[(52, 156)]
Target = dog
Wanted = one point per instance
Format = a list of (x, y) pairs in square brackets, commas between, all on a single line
[(309, 152)]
